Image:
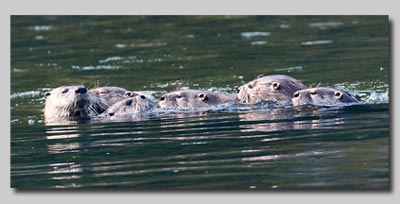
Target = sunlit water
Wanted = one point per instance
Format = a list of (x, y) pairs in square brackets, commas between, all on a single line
[(225, 147)]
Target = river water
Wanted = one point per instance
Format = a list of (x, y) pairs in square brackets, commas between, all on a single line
[(343, 147)]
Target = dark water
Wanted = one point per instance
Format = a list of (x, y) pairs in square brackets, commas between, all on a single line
[(224, 148)]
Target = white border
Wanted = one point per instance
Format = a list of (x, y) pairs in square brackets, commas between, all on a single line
[(186, 7)]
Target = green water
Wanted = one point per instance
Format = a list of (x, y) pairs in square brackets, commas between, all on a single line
[(288, 148)]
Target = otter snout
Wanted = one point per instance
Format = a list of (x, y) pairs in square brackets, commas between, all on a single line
[(81, 103), (302, 97)]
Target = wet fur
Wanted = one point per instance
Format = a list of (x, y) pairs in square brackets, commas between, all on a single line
[(322, 96), (104, 97), (261, 89), (191, 99), (130, 106), (59, 104)]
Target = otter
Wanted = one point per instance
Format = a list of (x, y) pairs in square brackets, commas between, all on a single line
[(272, 88), (130, 106), (108, 96), (68, 101), (322, 96), (192, 99)]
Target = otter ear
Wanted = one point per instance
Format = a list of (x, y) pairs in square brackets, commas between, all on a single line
[(338, 95), (129, 93), (251, 85), (203, 96), (275, 85), (47, 94)]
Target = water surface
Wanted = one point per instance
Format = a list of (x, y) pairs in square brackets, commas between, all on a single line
[(223, 148)]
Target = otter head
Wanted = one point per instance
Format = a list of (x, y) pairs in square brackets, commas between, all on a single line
[(104, 97), (107, 91), (322, 96), (192, 99), (273, 88), (66, 101), (131, 106)]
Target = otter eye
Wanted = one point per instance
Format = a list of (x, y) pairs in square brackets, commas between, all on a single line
[(47, 94), (250, 86), (65, 90), (275, 85), (178, 96), (338, 95), (142, 97), (296, 94), (162, 98), (313, 93)]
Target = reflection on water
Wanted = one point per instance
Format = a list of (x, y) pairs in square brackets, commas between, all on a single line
[(292, 118), (223, 147), (266, 147)]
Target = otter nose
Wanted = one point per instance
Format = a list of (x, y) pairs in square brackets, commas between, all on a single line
[(81, 90), (128, 102), (142, 97)]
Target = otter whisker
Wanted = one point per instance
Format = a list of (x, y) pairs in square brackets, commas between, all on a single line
[(93, 110), (191, 106)]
